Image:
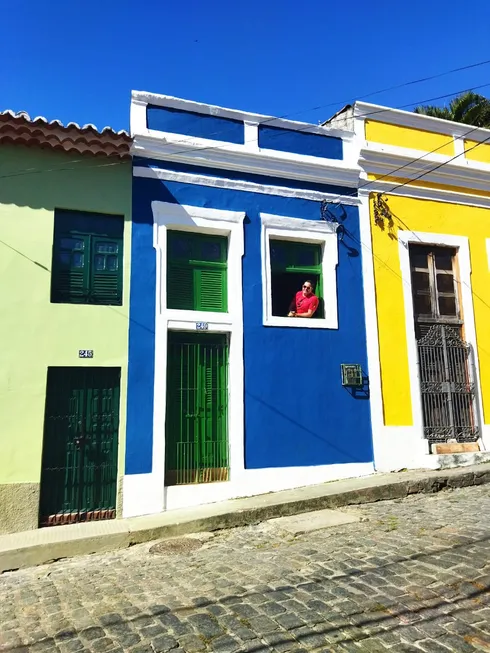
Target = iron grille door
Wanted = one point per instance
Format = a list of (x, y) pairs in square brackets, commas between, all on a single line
[(196, 432), (445, 360), (448, 393), (79, 465)]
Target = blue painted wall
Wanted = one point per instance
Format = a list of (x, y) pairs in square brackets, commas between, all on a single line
[(296, 411), (297, 142), (195, 124)]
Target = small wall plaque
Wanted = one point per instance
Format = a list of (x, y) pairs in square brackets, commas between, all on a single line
[(85, 353), (351, 375), (202, 326)]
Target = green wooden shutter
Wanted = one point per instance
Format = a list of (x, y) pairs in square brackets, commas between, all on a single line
[(106, 270), (197, 272), (71, 264), (211, 290), (180, 286)]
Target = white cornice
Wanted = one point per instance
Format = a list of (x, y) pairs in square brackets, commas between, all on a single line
[(386, 159), (432, 194), (375, 112), (203, 152), (238, 184), (143, 97)]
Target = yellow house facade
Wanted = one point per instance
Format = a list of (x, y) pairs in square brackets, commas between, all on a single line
[(425, 190)]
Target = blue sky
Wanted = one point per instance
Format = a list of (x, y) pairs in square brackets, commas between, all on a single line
[(78, 61)]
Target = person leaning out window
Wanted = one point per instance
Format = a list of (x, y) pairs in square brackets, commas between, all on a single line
[(304, 303)]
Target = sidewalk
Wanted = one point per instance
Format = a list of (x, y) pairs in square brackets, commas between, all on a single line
[(48, 544)]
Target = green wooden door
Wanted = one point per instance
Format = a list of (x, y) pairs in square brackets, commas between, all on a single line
[(196, 430), (79, 464)]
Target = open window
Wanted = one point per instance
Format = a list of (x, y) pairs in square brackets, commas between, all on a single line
[(295, 251), (293, 263)]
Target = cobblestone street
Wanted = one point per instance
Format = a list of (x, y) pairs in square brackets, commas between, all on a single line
[(413, 575)]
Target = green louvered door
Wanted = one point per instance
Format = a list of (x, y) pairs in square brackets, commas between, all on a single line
[(196, 433), (79, 464)]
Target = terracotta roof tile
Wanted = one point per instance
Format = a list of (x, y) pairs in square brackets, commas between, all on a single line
[(21, 129)]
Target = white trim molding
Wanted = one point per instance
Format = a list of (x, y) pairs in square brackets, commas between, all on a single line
[(146, 493), (143, 98), (431, 194), (238, 184), (461, 244), (246, 157), (407, 164), (308, 231), (399, 117), (214, 154)]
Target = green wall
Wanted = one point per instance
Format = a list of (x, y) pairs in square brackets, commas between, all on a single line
[(34, 333)]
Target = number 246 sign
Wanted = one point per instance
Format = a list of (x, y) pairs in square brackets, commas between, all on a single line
[(85, 353)]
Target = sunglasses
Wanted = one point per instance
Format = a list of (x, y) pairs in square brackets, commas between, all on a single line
[(307, 287)]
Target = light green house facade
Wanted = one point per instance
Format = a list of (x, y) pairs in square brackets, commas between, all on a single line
[(48, 175)]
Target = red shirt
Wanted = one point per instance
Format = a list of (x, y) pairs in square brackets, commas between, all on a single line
[(305, 304)]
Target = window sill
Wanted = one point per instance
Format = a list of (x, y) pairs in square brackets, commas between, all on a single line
[(300, 322)]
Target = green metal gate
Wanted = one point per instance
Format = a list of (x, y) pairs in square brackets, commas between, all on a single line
[(196, 430), (79, 464)]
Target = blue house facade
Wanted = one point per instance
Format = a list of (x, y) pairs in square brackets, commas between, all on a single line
[(228, 395)]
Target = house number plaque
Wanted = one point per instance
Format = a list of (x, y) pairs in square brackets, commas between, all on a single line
[(85, 353), (202, 326)]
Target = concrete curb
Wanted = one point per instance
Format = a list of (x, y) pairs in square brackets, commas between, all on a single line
[(30, 548)]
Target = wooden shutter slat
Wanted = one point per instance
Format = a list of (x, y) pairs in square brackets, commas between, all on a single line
[(211, 290), (106, 285), (180, 287), (69, 283)]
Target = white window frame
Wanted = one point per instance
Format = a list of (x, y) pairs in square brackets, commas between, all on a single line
[(461, 245), (146, 493), (322, 233), (178, 217)]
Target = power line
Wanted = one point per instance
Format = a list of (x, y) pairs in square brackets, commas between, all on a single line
[(432, 99), (35, 171), (373, 93), (308, 126), (354, 194), (418, 81), (440, 165), (412, 161)]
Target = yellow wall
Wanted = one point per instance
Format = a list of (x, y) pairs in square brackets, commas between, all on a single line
[(381, 132), (438, 218), (480, 153)]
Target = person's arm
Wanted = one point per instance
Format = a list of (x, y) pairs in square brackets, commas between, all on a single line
[(292, 308), (309, 313)]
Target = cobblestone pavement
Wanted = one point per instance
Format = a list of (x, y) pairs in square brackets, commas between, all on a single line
[(413, 575)]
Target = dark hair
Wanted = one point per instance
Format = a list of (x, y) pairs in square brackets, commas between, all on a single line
[(310, 282)]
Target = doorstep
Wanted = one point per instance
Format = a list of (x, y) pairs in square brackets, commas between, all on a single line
[(35, 547)]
